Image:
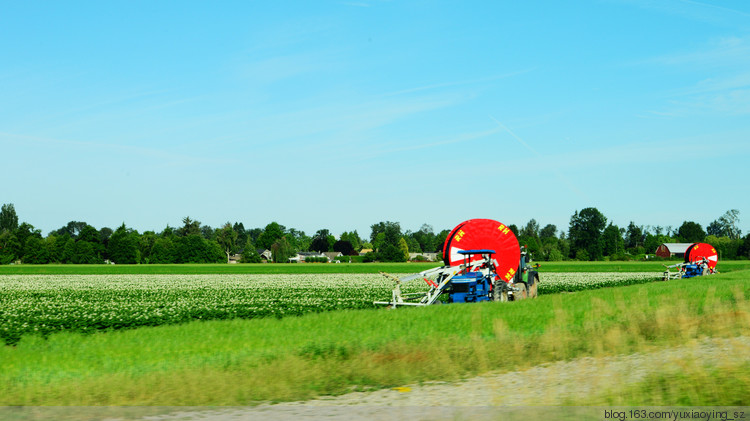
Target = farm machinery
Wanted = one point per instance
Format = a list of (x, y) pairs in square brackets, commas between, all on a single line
[(483, 262), (700, 260)]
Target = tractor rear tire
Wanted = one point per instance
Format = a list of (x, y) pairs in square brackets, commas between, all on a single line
[(523, 293), (533, 289), (499, 291)]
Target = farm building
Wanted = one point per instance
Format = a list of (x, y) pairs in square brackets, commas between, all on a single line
[(667, 250), (431, 257)]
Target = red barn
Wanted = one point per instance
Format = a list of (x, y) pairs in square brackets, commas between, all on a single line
[(667, 250)]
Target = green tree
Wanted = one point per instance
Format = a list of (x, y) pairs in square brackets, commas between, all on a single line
[(242, 235), (163, 251), (72, 229), (344, 247), (426, 239), (612, 242), (726, 247), (549, 231), (24, 232), (227, 237), (271, 234), (207, 232), (389, 249), (353, 239), (281, 250), (196, 249), (585, 233), (69, 250), (412, 243), (743, 250), (633, 236), (531, 229), (34, 251), (123, 246), (321, 241), (146, 243), (8, 218), (691, 232), (54, 244), (249, 254), (440, 240), (84, 252), (189, 227), (726, 226), (404, 248), (10, 247)]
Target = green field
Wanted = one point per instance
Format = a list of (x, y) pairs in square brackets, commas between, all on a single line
[(240, 362), (261, 268)]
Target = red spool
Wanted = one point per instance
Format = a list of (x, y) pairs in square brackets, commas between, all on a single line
[(484, 234), (699, 251)]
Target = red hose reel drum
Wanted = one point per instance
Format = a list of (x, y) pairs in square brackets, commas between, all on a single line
[(484, 234), (699, 251)]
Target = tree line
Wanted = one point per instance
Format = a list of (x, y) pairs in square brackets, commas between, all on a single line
[(588, 237)]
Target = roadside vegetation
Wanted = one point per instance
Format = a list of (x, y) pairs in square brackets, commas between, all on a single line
[(241, 362)]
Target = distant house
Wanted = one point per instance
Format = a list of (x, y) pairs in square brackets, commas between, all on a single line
[(364, 251), (667, 250), (431, 257), (301, 256), (265, 254), (332, 255)]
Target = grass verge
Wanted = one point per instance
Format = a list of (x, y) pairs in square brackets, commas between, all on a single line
[(241, 362)]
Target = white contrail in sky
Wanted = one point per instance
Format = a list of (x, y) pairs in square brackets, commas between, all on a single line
[(557, 172)]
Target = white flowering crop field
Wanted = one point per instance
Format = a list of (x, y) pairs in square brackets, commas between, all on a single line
[(43, 304)]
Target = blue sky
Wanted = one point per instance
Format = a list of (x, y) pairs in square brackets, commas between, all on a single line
[(341, 114)]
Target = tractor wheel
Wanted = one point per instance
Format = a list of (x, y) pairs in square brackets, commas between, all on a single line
[(499, 291), (533, 288), (523, 293)]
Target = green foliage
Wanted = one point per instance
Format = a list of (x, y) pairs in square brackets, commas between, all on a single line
[(726, 226), (35, 252), (633, 236), (404, 248), (691, 232), (585, 233), (344, 247), (123, 246), (227, 237), (281, 250), (353, 239), (8, 218), (189, 227), (10, 247), (271, 234), (195, 249), (163, 251), (389, 247), (554, 255), (321, 241), (612, 242)]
